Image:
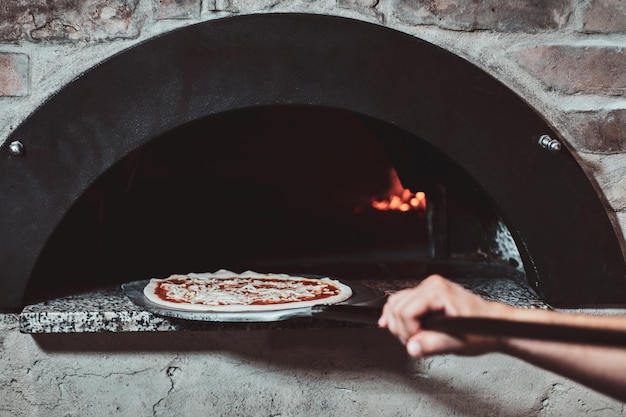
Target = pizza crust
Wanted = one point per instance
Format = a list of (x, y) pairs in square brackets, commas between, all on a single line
[(203, 297)]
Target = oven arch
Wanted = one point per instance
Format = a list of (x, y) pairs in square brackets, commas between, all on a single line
[(281, 59)]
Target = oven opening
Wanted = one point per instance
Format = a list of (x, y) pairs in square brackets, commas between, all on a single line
[(293, 189)]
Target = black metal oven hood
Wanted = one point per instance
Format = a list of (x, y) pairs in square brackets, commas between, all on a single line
[(570, 251)]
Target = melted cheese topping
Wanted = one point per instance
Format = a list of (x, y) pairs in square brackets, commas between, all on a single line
[(226, 289)]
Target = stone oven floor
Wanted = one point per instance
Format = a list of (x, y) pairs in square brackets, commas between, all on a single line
[(110, 310)]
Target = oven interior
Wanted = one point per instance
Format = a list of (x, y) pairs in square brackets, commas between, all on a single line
[(285, 188)]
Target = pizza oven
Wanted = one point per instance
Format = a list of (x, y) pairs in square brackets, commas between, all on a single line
[(248, 143)]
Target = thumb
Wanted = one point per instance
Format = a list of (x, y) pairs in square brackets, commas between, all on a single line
[(426, 343)]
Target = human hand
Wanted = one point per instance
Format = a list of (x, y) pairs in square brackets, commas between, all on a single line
[(436, 295)]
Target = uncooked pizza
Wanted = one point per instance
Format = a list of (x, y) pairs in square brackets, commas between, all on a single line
[(249, 291)]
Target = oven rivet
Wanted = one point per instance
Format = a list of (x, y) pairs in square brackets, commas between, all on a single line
[(16, 148), (550, 144)]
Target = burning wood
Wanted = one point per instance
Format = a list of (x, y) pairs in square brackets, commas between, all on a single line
[(399, 198)]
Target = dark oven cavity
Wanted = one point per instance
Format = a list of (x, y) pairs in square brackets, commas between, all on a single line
[(295, 189)]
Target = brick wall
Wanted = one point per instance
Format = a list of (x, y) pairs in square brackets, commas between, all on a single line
[(567, 58)]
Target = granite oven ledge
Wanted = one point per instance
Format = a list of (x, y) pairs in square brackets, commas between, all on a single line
[(109, 310)]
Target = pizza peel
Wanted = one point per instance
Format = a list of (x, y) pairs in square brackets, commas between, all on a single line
[(365, 307)]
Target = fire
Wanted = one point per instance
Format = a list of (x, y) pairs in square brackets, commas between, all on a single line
[(400, 198)]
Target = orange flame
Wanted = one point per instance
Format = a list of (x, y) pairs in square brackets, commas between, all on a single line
[(400, 198)]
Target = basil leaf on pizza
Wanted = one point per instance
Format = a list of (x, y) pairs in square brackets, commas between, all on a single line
[(249, 291)]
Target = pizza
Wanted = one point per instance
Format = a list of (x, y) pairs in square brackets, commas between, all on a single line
[(226, 291)]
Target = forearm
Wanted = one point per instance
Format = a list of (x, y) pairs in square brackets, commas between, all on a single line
[(597, 367), (600, 368)]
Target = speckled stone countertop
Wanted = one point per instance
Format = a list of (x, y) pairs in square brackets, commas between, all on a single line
[(110, 310)]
